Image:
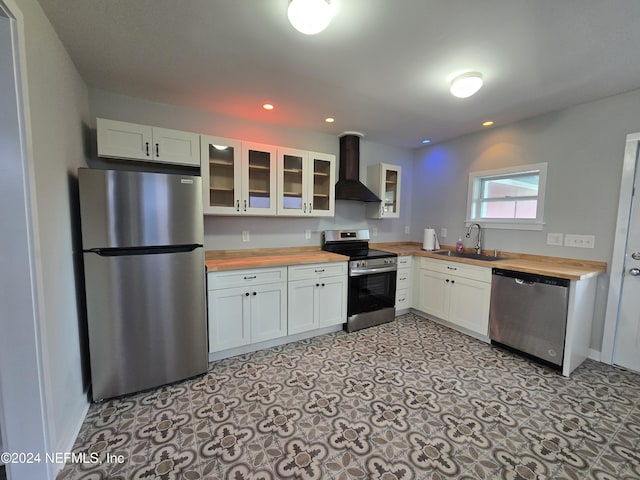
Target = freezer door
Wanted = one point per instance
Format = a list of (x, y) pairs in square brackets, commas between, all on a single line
[(146, 319), (529, 316), (139, 209)]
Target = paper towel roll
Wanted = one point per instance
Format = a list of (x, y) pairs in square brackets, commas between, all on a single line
[(430, 240)]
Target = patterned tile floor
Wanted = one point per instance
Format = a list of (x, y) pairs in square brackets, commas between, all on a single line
[(406, 400)]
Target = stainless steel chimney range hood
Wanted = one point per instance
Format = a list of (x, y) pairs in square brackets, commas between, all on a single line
[(349, 186)]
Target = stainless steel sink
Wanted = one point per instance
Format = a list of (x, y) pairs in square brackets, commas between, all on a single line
[(474, 256)]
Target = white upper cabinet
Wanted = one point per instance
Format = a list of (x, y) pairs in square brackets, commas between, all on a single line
[(238, 178), (306, 183), (384, 180), (150, 144)]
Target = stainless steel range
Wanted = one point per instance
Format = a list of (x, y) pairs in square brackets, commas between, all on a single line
[(372, 278)]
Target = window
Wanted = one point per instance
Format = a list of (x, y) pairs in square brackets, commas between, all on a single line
[(508, 197)]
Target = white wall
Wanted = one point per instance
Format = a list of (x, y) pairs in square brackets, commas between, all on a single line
[(226, 232), (584, 148), (57, 122)]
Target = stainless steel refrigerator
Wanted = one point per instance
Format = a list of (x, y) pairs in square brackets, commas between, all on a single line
[(142, 240)]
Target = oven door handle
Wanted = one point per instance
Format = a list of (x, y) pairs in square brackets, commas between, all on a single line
[(358, 272)]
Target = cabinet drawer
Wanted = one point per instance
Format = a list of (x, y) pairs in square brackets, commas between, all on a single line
[(318, 270), (237, 278), (403, 299), (474, 272), (404, 261), (403, 279)]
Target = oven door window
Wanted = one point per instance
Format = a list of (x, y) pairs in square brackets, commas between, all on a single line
[(368, 293)]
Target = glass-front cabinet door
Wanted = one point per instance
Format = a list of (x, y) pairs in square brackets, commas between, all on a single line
[(238, 178), (259, 179), (391, 194), (221, 167), (384, 180), (292, 184), (306, 183), (323, 184)]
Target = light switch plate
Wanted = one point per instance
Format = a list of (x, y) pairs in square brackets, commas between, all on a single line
[(245, 235), (307, 234), (406, 229), (443, 233), (374, 231), (554, 239)]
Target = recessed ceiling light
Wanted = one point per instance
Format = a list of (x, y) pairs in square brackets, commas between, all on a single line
[(465, 85), (426, 140), (267, 106), (329, 119), (488, 123)]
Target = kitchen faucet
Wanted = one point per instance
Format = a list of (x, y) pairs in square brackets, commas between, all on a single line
[(478, 246)]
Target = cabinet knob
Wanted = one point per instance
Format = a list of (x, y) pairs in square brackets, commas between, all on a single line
[(254, 293), (317, 284), (453, 281), (246, 294), (323, 284), (447, 280)]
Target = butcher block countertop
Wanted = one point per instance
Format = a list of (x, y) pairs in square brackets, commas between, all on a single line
[(219, 260), (569, 268)]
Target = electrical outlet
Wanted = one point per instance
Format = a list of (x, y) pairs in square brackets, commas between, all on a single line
[(406, 230), (554, 239), (374, 231), (307, 234), (245, 235), (579, 241), (443, 233)]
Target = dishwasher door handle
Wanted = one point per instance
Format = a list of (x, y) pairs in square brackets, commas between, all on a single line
[(519, 281)]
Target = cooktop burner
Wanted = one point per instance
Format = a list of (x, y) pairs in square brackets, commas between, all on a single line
[(353, 243), (363, 254)]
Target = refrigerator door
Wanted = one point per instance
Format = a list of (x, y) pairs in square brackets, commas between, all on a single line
[(146, 318), (121, 209)]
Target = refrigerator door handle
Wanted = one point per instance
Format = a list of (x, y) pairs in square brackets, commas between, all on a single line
[(119, 252)]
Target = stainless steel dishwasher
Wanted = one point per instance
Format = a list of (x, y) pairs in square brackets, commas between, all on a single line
[(528, 313)]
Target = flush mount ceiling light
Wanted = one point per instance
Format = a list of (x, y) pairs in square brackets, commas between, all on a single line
[(465, 85), (309, 16)]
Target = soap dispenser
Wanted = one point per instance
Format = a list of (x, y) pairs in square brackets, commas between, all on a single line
[(459, 245)]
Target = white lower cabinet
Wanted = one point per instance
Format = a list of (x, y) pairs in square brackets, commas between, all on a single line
[(455, 292), (404, 283), (317, 296), (253, 311)]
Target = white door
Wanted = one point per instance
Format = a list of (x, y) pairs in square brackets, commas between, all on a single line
[(229, 318), (627, 346), (302, 306), (268, 312), (332, 301)]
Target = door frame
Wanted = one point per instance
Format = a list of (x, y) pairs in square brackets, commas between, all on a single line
[(616, 273), (23, 399)]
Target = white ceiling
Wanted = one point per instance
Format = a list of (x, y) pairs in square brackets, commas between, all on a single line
[(382, 67)]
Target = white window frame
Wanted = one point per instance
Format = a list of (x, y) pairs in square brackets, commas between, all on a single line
[(473, 192)]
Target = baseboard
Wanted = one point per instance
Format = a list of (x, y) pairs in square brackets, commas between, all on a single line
[(594, 355), (254, 347), (71, 434)]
